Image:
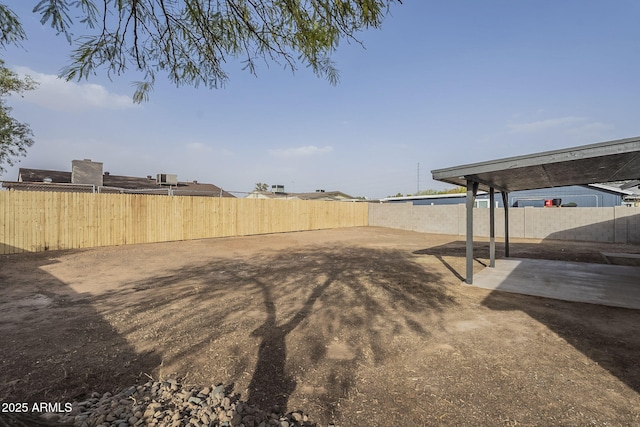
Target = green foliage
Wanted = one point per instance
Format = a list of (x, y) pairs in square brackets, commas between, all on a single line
[(190, 40), (431, 192), (15, 136), (11, 31), (261, 186)]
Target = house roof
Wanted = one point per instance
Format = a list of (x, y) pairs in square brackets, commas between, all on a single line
[(316, 195), (39, 175), (27, 178), (428, 196), (609, 161), (609, 187), (325, 195)]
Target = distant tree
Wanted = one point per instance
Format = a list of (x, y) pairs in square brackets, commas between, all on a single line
[(454, 190), (261, 186), (190, 40), (431, 192), (428, 192), (15, 136)]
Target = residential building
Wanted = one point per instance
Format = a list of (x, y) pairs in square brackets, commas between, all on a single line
[(593, 195), (277, 192), (88, 176)]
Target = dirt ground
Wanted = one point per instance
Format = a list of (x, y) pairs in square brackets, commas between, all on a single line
[(359, 327)]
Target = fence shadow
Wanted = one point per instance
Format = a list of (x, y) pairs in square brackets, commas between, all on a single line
[(55, 345)]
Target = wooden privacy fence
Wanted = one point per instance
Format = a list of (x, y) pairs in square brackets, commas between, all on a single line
[(33, 221)]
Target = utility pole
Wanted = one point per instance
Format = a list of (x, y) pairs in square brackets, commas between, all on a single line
[(418, 178)]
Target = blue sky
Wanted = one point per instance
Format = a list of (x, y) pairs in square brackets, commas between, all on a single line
[(443, 83)]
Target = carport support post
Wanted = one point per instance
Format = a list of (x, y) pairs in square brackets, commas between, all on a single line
[(492, 229), (505, 202), (472, 190)]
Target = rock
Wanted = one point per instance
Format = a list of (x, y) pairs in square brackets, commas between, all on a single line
[(236, 419), (218, 392), (226, 402), (195, 400), (170, 403), (204, 419), (129, 392)]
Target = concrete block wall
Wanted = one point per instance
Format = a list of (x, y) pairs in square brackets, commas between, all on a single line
[(627, 225), (619, 224), (584, 224), (438, 219), (397, 215)]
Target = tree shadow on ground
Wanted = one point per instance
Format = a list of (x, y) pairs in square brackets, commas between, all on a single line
[(607, 335), (55, 345), (308, 315)]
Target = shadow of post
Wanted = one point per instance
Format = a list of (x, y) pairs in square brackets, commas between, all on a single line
[(607, 335)]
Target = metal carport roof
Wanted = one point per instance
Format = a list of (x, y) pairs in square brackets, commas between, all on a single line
[(608, 161), (588, 164)]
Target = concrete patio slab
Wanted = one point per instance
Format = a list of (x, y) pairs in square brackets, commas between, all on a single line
[(604, 284)]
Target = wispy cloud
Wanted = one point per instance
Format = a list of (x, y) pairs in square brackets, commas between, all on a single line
[(198, 146), (543, 125), (202, 148), (306, 151), (546, 134), (60, 95), (588, 129)]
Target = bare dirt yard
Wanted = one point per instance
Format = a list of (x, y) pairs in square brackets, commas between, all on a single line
[(357, 327)]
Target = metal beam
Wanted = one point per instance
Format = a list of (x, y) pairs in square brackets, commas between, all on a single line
[(492, 229), (486, 183), (472, 190), (505, 202)]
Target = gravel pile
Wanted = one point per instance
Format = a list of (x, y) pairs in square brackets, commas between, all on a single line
[(171, 404)]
